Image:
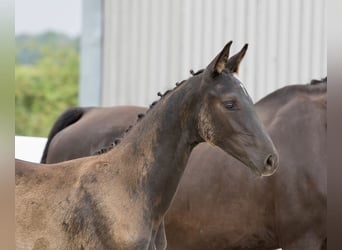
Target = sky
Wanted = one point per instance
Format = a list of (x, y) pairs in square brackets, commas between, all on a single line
[(36, 16)]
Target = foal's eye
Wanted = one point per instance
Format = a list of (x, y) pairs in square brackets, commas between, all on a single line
[(229, 105)]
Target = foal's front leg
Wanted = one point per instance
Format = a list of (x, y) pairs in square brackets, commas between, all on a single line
[(309, 241), (159, 241)]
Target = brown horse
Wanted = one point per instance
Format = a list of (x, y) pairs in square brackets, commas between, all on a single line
[(78, 139), (220, 205), (118, 200)]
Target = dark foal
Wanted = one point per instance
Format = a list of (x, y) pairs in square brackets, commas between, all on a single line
[(219, 204), (118, 200)]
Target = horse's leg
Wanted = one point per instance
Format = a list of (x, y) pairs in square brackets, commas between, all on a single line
[(324, 245), (152, 246), (160, 240), (309, 241)]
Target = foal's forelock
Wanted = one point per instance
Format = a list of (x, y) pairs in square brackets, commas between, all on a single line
[(241, 84)]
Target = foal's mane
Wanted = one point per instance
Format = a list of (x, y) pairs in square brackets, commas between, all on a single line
[(142, 115), (323, 80)]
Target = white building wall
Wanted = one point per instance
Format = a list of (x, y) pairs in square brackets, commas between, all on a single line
[(149, 45)]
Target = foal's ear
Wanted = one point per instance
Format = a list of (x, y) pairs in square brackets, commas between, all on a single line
[(234, 62), (219, 63)]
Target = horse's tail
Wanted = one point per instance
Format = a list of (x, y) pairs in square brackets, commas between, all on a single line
[(67, 118)]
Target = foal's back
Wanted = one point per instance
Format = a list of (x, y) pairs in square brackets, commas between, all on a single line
[(38, 212)]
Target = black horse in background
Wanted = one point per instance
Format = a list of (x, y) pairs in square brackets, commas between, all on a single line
[(220, 204)]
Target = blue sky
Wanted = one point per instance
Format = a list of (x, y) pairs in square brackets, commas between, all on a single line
[(36, 16)]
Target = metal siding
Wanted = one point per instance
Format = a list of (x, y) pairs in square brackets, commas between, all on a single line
[(91, 54), (150, 45)]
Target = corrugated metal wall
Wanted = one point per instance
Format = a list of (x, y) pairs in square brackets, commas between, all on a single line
[(149, 45)]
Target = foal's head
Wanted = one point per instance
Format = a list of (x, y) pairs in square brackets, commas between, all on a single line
[(227, 117)]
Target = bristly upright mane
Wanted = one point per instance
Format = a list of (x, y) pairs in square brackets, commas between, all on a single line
[(197, 72), (142, 115), (323, 80)]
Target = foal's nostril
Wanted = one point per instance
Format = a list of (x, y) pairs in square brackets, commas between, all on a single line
[(271, 165), (270, 161)]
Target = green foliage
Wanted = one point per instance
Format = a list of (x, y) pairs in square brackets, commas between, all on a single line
[(45, 88), (29, 48)]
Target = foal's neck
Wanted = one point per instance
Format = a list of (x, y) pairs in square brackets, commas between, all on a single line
[(160, 144)]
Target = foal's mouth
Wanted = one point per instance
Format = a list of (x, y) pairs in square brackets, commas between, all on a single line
[(256, 170), (261, 173)]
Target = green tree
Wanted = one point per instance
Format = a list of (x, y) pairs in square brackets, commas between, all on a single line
[(45, 89)]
